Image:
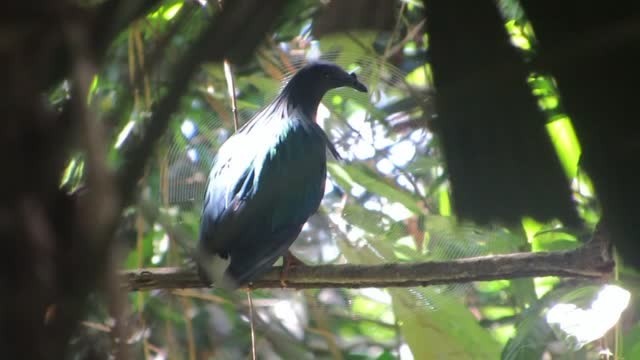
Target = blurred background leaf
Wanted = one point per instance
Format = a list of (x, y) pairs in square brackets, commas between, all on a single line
[(387, 201)]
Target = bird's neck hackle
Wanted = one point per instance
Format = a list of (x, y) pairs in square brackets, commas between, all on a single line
[(304, 96)]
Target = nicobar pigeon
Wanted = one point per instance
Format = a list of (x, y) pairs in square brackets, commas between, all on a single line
[(267, 180)]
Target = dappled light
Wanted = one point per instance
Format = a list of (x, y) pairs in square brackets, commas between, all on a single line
[(311, 179), (578, 326)]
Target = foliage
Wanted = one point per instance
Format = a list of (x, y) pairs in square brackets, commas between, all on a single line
[(386, 202)]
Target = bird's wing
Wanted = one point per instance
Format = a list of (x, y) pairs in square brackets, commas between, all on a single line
[(230, 182)]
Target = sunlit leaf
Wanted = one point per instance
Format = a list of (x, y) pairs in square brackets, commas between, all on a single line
[(566, 143), (349, 174), (533, 332), (450, 332), (92, 88), (167, 12), (420, 77), (444, 204)]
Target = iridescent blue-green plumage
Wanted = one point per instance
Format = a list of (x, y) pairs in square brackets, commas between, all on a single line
[(269, 178)]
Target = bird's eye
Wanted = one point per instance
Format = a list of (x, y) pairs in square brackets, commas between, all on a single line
[(325, 74), (353, 75)]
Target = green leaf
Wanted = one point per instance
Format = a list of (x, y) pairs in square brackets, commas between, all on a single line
[(448, 332), (147, 252), (349, 174), (524, 292), (167, 12), (550, 238), (444, 203), (386, 356), (370, 221), (530, 341), (348, 48), (422, 165), (434, 325), (420, 77), (565, 141), (533, 333), (631, 344), (265, 85)]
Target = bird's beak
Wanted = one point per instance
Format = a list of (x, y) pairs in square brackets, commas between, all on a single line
[(356, 84)]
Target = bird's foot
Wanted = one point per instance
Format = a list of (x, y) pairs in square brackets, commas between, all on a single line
[(288, 261)]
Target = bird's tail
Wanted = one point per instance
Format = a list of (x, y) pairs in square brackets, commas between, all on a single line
[(213, 268)]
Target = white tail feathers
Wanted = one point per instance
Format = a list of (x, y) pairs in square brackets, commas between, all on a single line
[(215, 268)]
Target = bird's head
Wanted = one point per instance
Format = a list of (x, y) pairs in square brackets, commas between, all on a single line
[(330, 76), (310, 83)]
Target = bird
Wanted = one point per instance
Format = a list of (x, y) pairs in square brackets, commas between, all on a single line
[(268, 179)]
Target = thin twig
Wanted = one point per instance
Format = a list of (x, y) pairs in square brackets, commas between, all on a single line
[(189, 326), (231, 88), (195, 294), (396, 29), (252, 326), (320, 318), (589, 261), (212, 44), (97, 326), (410, 36)]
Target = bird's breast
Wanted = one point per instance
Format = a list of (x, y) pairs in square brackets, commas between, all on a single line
[(292, 137)]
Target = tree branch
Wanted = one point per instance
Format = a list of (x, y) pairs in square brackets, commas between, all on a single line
[(227, 34), (593, 260), (103, 24)]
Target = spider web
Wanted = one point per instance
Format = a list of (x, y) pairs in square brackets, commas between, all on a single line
[(357, 225)]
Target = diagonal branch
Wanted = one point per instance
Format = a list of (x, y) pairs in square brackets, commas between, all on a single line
[(226, 35), (593, 260), (103, 23)]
